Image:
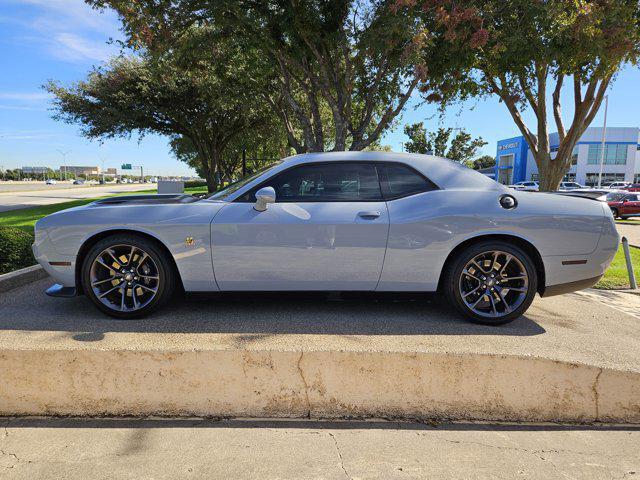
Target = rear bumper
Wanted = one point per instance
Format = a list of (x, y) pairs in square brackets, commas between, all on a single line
[(552, 290), (569, 273)]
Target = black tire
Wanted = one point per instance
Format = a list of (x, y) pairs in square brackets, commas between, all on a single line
[(615, 213), (453, 275), (163, 270)]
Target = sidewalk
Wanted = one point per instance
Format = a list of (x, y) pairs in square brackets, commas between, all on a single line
[(171, 449), (632, 232)]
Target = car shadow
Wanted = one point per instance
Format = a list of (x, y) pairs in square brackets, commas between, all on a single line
[(255, 314)]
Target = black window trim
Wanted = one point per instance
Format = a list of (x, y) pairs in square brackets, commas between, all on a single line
[(383, 197)]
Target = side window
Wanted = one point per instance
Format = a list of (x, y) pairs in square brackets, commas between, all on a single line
[(326, 182), (399, 181)]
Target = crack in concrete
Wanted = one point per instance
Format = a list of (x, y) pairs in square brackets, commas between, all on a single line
[(8, 454), (556, 468), (335, 442), (304, 382), (536, 452), (596, 395)]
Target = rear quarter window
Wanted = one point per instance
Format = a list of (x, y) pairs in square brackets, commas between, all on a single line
[(398, 180)]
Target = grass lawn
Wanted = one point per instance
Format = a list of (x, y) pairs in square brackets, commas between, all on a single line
[(629, 221), (25, 218), (616, 276)]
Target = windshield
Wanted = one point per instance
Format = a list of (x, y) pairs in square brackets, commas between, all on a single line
[(237, 185), (615, 197)]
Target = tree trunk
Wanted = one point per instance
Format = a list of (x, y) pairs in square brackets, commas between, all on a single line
[(212, 183), (209, 157), (551, 172)]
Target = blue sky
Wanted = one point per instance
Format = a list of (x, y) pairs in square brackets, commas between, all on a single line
[(62, 39)]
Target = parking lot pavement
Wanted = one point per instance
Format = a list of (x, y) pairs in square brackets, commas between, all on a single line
[(574, 328), (159, 449), (632, 232), (52, 194)]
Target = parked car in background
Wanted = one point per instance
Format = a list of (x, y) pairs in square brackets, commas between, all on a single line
[(528, 186), (51, 181), (616, 185), (78, 182), (624, 204), (338, 221), (633, 187), (570, 186)]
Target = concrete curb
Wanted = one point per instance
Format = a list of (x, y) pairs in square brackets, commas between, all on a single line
[(313, 384), (18, 278)]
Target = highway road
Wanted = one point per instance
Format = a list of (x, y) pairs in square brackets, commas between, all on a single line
[(14, 196)]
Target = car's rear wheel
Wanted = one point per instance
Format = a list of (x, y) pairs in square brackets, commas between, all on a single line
[(491, 282), (127, 276), (615, 213)]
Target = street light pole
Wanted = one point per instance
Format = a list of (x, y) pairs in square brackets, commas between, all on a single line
[(64, 161), (604, 137)]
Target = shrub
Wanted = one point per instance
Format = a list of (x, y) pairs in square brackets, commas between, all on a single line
[(193, 184), (15, 249)]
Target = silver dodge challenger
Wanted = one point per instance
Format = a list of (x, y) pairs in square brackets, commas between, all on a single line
[(340, 221)]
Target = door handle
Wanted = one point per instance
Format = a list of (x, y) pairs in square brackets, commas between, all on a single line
[(369, 214)]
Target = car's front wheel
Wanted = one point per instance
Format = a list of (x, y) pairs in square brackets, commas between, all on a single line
[(491, 282), (615, 213), (127, 276)]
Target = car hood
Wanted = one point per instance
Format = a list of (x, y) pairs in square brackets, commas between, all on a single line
[(153, 199)]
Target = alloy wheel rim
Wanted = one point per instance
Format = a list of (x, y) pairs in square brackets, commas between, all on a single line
[(124, 278), (493, 284)]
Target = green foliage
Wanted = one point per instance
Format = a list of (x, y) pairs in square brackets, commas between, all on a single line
[(522, 50), (461, 148), (343, 69), (485, 161), (418, 141), (15, 249), (194, 184)]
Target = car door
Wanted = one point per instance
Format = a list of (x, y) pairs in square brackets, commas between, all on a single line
[(327, 230), (631, 205)]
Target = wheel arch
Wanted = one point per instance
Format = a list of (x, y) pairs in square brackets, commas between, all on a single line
[(96, 237), (514, 239)]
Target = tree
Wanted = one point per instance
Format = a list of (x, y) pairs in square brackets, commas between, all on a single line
[(485, 161), (202, 93), (262, 146), (526, 51), (461, 148), (349, 60)]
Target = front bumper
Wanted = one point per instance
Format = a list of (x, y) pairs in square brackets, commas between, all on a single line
[(62, 268), (57, 290)]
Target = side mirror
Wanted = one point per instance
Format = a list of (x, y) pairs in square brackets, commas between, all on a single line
[(264, 196)]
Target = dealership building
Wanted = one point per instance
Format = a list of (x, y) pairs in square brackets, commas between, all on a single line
[(515, 163)]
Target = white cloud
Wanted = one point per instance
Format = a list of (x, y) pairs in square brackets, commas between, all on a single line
[(25, 96), (71, 14), (20, 107), (24, 100), (68, 30), (28, 135), (72, 47)]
